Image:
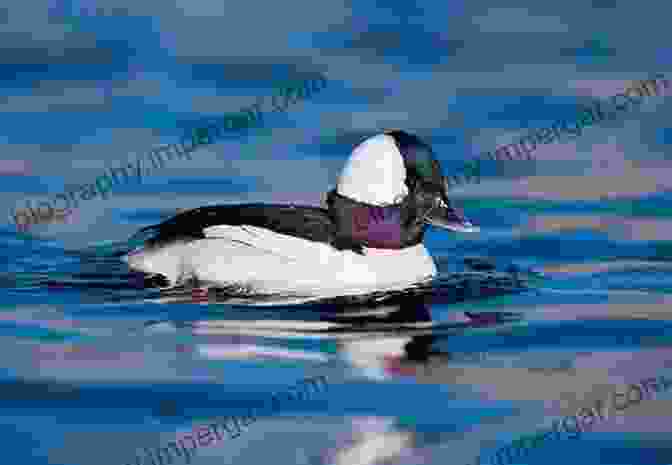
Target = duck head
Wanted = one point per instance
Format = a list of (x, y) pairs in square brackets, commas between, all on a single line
[(391, 188)]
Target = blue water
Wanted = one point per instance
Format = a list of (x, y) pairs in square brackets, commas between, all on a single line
[(563, 297)]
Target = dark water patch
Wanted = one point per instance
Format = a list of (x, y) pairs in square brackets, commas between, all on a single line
[(552, 248), (586, 334), (655, 206)]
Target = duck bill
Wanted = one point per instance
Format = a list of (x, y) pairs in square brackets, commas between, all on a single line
[(443, 215)]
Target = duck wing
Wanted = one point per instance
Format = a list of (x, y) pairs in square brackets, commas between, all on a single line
[(312, 223)]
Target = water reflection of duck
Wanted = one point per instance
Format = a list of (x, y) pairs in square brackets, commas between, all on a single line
[(378, 341), (390, 342), (374, 341)]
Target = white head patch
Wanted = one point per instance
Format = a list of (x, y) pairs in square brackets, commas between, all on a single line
[(374, 173)]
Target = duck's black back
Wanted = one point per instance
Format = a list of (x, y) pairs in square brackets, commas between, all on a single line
[(310, 223)]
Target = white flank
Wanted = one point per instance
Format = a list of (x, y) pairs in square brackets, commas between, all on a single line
[(268, 262)]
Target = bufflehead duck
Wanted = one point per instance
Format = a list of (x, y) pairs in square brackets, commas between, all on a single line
[(368, 238)]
